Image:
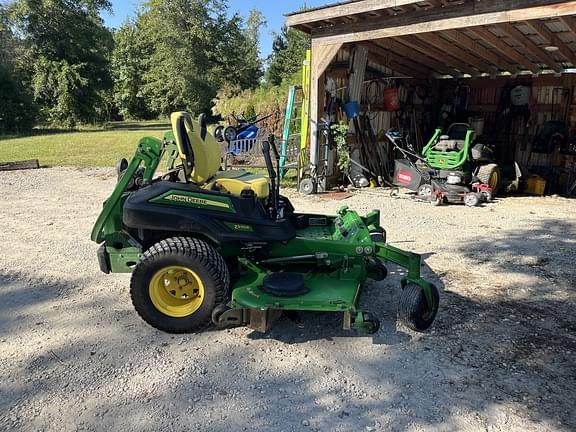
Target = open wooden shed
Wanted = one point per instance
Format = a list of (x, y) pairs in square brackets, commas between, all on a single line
[(485, 46)]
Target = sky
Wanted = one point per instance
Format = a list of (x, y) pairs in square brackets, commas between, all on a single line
[(273, 11)]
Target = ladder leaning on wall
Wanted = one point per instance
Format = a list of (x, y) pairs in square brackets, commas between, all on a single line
[(296, 121)]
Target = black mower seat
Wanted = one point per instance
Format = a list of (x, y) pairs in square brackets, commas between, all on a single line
[(284, 284)]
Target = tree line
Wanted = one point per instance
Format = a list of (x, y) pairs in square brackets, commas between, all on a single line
[(61, 66)]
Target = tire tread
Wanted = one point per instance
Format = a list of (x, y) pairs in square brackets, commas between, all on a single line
[(199, 250)]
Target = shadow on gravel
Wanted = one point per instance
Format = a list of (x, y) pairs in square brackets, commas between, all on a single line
[(20, 294), (485, 359)]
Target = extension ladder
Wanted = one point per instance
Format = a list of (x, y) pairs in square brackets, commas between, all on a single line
[(297, 114)]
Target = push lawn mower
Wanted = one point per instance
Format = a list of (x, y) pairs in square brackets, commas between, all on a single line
[(450, 168), (207, 246)]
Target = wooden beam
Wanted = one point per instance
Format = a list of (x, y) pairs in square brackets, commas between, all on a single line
[(471, 45), (552, 39), (339, 10), (322, 56), (396, 62), (456, 52), (394, 65), (530, 46), (440, 56), (19, 165), (460, 16), (425, 59), (570, 22), (504, 48)]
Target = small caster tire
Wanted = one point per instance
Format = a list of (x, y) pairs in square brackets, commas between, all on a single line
[(217, 312), (487, 196), (426, 192), (219, 133), (377, 270), (472, 199), (378, 236), (371, 323), (306, 186), (413, 309)]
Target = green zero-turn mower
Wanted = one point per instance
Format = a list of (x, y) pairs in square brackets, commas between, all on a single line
[(224, 247), (462, 171)]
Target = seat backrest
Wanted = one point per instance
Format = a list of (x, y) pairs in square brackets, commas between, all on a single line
[(199, 151), (458, 131)]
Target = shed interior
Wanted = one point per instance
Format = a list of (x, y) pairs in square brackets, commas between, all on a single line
[(512, 79)]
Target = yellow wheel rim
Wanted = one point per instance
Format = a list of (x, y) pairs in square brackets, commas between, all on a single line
[(176, 291), (494, 180)]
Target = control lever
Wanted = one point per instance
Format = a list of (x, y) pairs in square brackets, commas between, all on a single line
[(272, 174), (272, 140)]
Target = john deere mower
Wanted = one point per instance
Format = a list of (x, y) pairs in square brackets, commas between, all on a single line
[(452, 168), (206, 246)]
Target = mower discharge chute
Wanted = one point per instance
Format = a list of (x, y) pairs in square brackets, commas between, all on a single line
[(208, 246)]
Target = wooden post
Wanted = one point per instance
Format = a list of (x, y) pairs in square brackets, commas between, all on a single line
[(322, 56)]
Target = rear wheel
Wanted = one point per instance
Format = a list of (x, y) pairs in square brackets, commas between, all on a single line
[(490, 175), (177, 283)]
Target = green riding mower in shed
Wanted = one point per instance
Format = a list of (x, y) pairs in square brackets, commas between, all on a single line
[(206, 246), (452, 168)]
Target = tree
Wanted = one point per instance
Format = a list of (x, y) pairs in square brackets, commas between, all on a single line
[(71, 50), (128, 68), (17, 109), (196, 50), (288, 53)]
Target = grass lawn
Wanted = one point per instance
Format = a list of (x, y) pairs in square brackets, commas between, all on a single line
[(84, 148), (91, 148)]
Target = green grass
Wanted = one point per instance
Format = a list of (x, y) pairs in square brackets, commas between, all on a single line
[(83, 148), (91, 147)]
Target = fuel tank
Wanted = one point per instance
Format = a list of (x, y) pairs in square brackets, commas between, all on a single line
[(185, 208)]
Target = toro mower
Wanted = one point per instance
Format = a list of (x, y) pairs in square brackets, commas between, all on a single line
[(451, 169), (206, 246)]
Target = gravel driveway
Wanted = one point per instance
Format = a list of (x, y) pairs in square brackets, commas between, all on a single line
[(501, 356)]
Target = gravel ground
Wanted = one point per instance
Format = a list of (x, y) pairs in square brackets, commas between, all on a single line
[(501, 356)]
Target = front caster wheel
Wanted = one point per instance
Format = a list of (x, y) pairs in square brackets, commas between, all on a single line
[(371, 323), (413, 309), (177, 283)]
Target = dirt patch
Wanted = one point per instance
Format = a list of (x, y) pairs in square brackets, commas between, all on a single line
[(75, 356)]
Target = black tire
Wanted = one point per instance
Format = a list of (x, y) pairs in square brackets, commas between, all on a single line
[(490, 175), (376, 269), (378, 235), (193, 254), (219, 133), (372, 323), (413, 308), (230, 134)]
